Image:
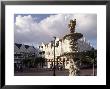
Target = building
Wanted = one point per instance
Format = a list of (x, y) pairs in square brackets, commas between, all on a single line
[(24, 52), (62, 46)]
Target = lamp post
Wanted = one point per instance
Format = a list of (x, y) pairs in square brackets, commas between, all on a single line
[(54, 58)]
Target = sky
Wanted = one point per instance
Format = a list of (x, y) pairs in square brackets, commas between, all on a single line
[(33, 29)]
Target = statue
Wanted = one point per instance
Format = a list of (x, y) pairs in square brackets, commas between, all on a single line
[(72, 25)]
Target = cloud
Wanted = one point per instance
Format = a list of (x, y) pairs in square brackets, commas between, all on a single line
[(29, 30)]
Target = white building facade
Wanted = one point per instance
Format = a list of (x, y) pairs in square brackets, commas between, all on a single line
[(62, 46)]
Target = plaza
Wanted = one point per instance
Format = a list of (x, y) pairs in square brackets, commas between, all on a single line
[(49, 72), (64, 56)]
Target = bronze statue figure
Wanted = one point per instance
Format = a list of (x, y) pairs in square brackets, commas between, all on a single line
[(72, 25)]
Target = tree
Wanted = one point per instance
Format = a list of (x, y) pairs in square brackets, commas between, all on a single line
[(40, 60), (88, 57)]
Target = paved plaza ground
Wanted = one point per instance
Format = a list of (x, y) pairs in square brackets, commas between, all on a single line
[(48, 72)]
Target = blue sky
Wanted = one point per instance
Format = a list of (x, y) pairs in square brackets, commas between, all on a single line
[(33, 29)]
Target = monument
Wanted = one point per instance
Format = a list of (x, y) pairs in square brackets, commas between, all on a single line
[(72, 54)]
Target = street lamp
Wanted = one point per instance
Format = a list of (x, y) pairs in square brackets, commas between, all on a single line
[(54, 57)]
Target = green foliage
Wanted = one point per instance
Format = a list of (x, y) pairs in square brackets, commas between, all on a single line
[(39, 60), (89, 57), (86, 57), (32, 62)]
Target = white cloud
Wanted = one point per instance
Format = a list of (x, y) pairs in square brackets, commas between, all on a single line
[(27, 28)]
